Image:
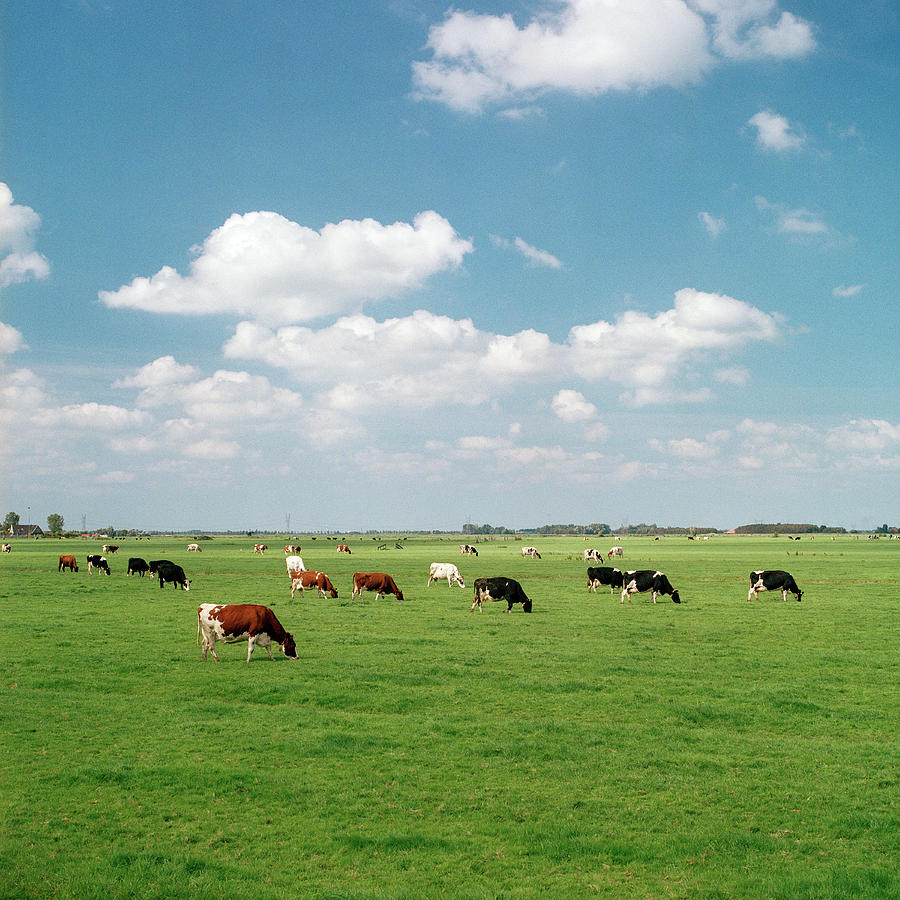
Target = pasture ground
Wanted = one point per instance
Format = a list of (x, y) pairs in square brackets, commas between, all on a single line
[(714, 749)]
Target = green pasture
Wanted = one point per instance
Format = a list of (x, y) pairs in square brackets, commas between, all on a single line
[(716, 748)]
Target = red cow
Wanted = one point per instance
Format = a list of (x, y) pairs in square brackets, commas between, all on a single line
[(242, 622), (375, 581), (291, 548), (307, 580), (67, 562), (344, 548)]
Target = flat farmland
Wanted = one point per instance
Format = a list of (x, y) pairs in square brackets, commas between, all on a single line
[(716, 748)]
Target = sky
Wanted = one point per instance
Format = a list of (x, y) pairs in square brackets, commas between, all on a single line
[(333, 266)]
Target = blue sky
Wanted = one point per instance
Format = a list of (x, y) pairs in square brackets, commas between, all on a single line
[(394, 265)]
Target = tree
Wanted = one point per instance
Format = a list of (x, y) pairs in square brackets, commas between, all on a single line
[(55, 523), (10, 522)]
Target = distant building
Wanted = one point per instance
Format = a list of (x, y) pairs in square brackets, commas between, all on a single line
[(29, 531)]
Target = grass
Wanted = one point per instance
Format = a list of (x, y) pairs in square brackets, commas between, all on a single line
[(719, 748)]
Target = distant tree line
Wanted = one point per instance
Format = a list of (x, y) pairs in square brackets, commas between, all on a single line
[(789, 528)]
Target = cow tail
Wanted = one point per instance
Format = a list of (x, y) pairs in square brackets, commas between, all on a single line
[(198, 626)]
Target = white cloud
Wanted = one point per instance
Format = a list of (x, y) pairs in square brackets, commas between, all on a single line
[(161, 373), (847, 290), (18, 225), (774, 132), (588, 47), (212, 449), (796, 222), (537, 257), (735, 375), (714, 226), (10, 339), (265, 267), (94, 417), (571, 406)]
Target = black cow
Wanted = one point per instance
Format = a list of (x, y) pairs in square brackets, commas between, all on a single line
[(773, 580), (172, 573), (598, 575), (642, 580), (137, 566), (96, 561), (156, 563), (500, 589)]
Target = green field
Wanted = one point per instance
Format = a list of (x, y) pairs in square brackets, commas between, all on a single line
[(714, 749)]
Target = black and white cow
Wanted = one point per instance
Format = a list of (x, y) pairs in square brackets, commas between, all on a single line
[(96, 561), (468, 550), (507, 589), (598, 575), (642, 580), (773, 580), (172, 573), (596, 555)]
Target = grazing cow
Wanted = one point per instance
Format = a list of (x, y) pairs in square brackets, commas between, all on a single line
[(242, 622), (604, 575), (67, 562), (291, 548), (96, 561), (305, 580), (530, 551), (344, 548), (592, 554), (614, 551), (173, 573), (6, 548), (445, 570), (154, 564), (194, 548), (773, 580), (375, 581), (137, 566), (637, 582), (467, 550), (110, 548), (294, 564), (260, 548), (500, 588)]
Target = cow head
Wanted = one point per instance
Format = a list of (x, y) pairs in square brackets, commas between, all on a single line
[(526, 606), (186, 584), (399, 594), (288, 647), (676, 598), (799, 595)]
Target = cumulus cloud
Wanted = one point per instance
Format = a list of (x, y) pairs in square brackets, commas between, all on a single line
[(95, 416), (266, 267), (775, 133), (10, 339), (160, 373), (588, 47), (19, 261), (714, 226), (571, 406)]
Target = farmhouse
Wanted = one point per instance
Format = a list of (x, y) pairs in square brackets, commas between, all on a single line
[(29, 531)]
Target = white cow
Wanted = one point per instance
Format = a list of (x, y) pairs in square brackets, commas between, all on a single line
[(294, 564), (193, 548), (531, 551), (445, 570), (614, 551)]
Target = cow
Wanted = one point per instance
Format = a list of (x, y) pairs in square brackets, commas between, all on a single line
[(773, 580), (96, 561), (154, 564), (172, 573), (308, 580), (110, 548), (500, 588), (596, 555), (67, 562), (242, 622), (137, 566), (445, 570), (6, 548), (375, 581), (467, 550), (294, 564), (614, 551), (530, 551), (344, 548), (260, 548), (604, 575), (194, 548), (291, 548), (641, 580)]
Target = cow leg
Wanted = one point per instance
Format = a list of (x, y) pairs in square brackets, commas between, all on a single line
[(654, 596), (784, 594), (251, 643), (751, 593)]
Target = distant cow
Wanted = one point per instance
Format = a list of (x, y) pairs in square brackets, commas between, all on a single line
[(291, 548), (375, 581), (343, 548), (507, 589), (260, 548), (614, 551), (637, 582), (445, 570), (96, 561), (306, 580), (242, 622), (604, 575), (294, 564), (110, 548), (6, 548), (137, 566), (172, 573), (468, 550), (194, 548), (67, 562), (592, 554), (773, 580), (531, 551)]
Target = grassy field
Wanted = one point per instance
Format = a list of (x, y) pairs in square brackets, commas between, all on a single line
[(714, 749)]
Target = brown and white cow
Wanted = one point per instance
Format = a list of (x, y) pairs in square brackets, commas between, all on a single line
[(110, 548), (67, 562), (242, 622), (375, 581), (260, 548), (308, 580), (291, 548), (343, 548), (194, 548), (614, 551), (6, 548)]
